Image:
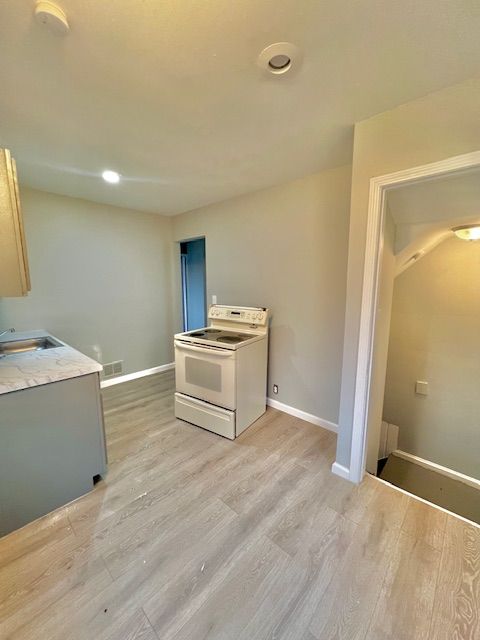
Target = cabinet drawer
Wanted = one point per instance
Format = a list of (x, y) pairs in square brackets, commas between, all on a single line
[(202, 414)]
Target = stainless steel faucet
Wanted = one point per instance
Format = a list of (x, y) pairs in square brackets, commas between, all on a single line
[(11, 330)]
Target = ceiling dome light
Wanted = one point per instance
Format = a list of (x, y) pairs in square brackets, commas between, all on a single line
[(111, 176), (280, 57), (52, 16), (467, 232)]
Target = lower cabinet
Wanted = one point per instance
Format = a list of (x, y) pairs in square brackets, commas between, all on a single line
[(52, 446)]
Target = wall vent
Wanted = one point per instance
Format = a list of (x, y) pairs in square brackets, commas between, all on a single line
[(111, 369), (117, 367)]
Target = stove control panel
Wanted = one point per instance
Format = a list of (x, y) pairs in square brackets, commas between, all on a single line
[(246, 315)]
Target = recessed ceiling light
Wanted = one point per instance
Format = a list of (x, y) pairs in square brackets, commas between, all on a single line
[(467, 232), (111, 176), (280, 57), (280, 61)]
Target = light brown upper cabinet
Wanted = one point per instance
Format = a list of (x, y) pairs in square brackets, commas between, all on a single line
[(14, 274)]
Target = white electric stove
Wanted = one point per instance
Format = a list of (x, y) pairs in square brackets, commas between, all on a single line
[(221, 370)]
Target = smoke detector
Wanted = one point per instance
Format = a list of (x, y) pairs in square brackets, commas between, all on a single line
[(279, 58), (51, 16)]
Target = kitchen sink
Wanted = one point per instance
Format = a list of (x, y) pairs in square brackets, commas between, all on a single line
[(29, 344)]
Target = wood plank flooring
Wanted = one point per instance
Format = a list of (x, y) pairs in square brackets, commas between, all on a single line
[(193, 537)]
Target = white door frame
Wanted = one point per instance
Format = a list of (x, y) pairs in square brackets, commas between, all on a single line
[(371, 272)]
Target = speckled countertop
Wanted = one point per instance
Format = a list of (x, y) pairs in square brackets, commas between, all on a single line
[(34, 368)]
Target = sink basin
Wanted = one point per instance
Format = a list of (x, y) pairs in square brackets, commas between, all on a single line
[(29, 344)]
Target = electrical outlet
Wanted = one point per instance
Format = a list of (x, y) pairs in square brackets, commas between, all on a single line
[(275, 388)]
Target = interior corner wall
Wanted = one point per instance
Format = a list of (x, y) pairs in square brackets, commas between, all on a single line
[(101, 279), (433, 128), (434, 338), (286, 248)]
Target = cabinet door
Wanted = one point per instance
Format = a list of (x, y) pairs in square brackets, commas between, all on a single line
[(52, 447), (14, 272), (23, 241)]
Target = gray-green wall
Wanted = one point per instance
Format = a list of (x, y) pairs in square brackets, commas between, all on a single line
[(434, 336), (106, 280), (432, 128), (101, 279), (286, 248)]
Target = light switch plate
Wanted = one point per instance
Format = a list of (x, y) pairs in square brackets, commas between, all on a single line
[(421, 388)]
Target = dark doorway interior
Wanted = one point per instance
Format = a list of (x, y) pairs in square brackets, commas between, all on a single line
[(194, 294)]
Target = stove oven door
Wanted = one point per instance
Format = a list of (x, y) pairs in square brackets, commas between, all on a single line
[(206, 373)]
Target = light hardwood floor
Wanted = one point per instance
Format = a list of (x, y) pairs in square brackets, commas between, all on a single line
[(192, 537)]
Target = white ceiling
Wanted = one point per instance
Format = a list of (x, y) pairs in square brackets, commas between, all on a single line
[(167, 92), (444, 198)]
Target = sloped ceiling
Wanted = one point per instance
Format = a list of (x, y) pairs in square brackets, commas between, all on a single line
[(424, 213)]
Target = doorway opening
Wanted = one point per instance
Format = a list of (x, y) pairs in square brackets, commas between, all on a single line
[(418, 238), (194, 284), (429, 437)]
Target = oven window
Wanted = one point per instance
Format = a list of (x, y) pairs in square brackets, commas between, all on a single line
[(204, 374)]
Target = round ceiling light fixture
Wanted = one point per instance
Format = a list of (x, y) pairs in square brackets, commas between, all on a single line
[(467, 232), (52, 16), (111, 176), (280, 57)]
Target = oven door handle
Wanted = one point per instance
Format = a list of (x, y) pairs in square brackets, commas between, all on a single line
[(217, 353)]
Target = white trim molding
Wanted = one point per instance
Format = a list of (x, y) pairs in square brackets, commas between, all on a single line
[(303, 415), (340, 470), (433, 466), (137, 374), (371, 271)]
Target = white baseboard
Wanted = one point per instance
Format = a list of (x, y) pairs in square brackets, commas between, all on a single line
[(137, 374), (275, 404), (303, 415), (433, 466), (340, 470), (388, 439)]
